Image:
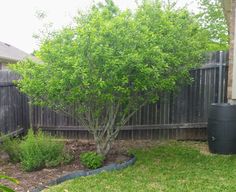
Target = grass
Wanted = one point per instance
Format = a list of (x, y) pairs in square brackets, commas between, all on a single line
[(172, 167)]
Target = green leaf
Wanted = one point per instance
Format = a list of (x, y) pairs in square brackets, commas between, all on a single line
[(5, 189), (9, 179)]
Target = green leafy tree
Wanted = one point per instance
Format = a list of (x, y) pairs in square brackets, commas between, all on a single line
[(110, 63), (212, 18)]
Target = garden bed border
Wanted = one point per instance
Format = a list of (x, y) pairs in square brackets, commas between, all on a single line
[(77, 174)]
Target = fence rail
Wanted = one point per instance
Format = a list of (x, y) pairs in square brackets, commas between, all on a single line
[(179, 115)]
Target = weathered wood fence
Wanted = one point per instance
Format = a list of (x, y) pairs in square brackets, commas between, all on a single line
[(14, 113), (180, 115)]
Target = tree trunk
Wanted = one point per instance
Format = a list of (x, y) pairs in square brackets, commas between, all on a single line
[(103, 148), (103, 143)]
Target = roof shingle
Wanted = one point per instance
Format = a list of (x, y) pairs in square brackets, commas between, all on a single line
[(11, 53)]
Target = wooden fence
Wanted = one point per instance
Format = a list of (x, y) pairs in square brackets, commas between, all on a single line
[(180, 115), (14, 113)]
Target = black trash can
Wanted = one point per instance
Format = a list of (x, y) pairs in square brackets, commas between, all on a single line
[(222, 129)]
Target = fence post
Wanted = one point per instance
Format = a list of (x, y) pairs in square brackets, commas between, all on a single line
[(220, 77), (30, 115)]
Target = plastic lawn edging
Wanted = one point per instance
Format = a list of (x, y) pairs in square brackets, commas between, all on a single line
[(77, 174)]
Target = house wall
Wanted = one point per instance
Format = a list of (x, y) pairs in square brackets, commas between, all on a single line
[(3, 66), (232, 52)]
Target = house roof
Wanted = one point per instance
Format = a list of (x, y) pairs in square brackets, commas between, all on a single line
[(227, 6), (10, 53)]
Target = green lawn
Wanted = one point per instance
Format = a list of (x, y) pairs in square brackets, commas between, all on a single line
[(170, 167)]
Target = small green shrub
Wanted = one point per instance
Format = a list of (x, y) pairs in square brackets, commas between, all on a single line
[(12, 147), (92, 160), (41, 150)]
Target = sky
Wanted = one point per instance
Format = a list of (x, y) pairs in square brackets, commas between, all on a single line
[(19, 22)]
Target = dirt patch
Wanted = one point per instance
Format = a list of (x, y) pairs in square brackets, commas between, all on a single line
[(30, 180), (201, 146)]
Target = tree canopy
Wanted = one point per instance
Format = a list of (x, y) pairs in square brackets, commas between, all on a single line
[(212, 18), (111, 62)]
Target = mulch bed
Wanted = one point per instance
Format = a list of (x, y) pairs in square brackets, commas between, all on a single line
[(30, 180)]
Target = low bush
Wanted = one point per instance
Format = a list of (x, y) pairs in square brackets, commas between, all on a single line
[(91, 160), (41, 150), (36, 151), (12, 147)]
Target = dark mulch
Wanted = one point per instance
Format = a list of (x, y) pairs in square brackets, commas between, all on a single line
[(29, 180)]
